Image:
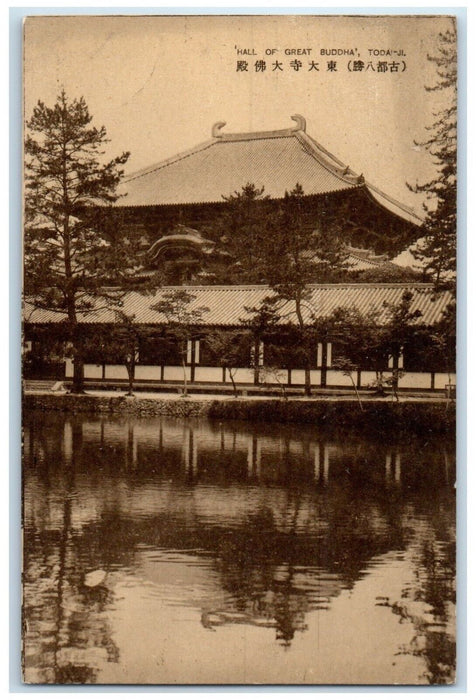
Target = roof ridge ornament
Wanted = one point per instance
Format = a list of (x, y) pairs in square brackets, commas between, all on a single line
[(216, 129), (300, 121)]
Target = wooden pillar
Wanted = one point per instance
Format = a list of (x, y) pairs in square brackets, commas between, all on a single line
[(324, 365), (193, 347)]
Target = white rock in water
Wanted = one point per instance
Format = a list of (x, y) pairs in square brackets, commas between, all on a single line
[(95, 578)]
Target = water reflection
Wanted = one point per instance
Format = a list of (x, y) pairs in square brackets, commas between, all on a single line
[(246, 527)]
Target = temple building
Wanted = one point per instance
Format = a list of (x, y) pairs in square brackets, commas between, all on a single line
[(167, 209), (181, 256), (227, 309), (191, 188)]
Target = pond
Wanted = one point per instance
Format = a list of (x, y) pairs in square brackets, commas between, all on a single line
[(164, 551)]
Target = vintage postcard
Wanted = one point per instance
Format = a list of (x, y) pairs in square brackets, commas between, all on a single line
[(239, 350)]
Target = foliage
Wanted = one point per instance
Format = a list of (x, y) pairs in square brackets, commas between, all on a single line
[(442, 338), (259, 321), (124, 342), (387, 274), (228, 347), (438, 248), (69, 190), (298, 256), (274, 372), (242, 233), (348, 369), (182, 318), (372, 339)]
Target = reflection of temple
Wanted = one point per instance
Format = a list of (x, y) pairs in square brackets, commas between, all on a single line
[(265, 561)]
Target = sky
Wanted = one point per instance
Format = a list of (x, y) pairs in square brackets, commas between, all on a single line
[(159, 83)]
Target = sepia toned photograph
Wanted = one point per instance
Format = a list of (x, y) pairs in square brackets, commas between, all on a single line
[(239, 350)]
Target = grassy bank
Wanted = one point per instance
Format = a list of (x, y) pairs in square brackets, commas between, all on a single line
[(413, 417), (421, 418)]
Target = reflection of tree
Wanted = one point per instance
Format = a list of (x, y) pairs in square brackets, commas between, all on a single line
[(428, 606), (302, 530), (290, 604), (250, 561), (64, 623)]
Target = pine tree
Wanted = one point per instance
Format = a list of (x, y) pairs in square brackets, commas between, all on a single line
[(70, 255), (438, 247), (241, 234), (297, 256), (182, 319)]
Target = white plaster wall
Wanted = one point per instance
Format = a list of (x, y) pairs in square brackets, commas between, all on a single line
[(92, 371), (367, 378), (338, 379), (175, 373), (116, 372), (297, 376), (148, 372), (316, 377), (441, 379), (244, 376), (415, 380), (210, 374)]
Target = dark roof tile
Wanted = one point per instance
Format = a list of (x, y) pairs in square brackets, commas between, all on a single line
[(227, 304), (275, 160)]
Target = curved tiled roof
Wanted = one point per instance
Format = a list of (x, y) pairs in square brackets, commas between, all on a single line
[(275, 160), (227, 304)]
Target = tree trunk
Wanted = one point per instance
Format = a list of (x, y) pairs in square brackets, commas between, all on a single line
[(131, 371), (78, 373), (307, 368), (235, 393), (78, 361), (256, 361), (395, 385), (356, 391), (307, 378), (379, 390), (283, 391)]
